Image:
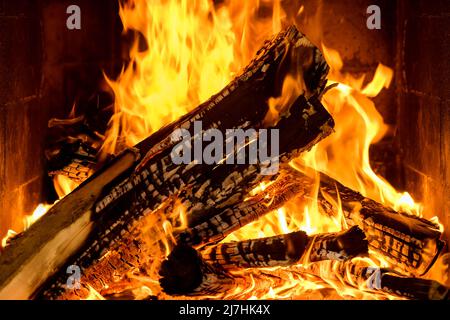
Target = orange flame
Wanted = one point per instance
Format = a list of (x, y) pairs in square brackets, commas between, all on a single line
[(192, 49)]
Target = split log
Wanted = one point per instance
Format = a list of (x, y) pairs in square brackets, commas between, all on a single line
[(131, 189), (33, 257), (410, 243), (287, 249)]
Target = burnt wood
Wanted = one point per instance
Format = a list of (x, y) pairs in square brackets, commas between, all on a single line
[(287, 249), (381, 280), (141, 186), (410, 243)]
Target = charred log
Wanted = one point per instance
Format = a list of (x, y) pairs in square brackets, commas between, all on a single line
[(187, 272), (372, 279), (231, 219), (287, 249), (74, 159), (135, 189), (408, 242)]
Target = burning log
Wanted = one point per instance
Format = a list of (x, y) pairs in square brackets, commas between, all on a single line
[(82, 226), (74, 159), (231, 219), (33, 256), (201, 276), (187, 272), (358, 275), (408, 242), (287, 249)]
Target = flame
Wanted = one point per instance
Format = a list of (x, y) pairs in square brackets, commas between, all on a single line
[(39, 212), (193, 49), (93, 294), (63, 186), (184, 52), (9, 235), (188, 50)]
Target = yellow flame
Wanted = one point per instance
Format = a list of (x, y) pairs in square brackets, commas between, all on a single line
[(39, 212), (64, 185), (93, 294), (9, 235)]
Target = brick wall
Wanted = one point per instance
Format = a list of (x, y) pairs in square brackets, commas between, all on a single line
[(44, 69), (423, 91)]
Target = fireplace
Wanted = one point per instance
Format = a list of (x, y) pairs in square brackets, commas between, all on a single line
[(76, 102)]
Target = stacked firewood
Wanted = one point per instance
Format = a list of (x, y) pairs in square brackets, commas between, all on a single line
[(97, 227)]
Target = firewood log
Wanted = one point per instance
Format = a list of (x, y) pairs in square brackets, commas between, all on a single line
[(410, 243), (35, 255), (235, 217), (116, 199), (188, 272), (287, 249)]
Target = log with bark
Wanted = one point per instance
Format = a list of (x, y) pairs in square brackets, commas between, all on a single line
[(287, 249), (188, 272), (410, 243), (79, 228), (234, 217), (200, 275)]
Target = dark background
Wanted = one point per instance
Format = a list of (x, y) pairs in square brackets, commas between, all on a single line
[(45, 68)]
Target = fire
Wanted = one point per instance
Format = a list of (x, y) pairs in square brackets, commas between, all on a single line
[(39, 212), (194, 48), (187, 51), (63, 187)]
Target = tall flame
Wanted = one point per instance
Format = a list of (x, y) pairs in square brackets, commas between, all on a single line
[(192, 50)]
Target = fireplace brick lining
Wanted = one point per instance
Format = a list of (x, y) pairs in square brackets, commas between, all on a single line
[(44, 69)]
